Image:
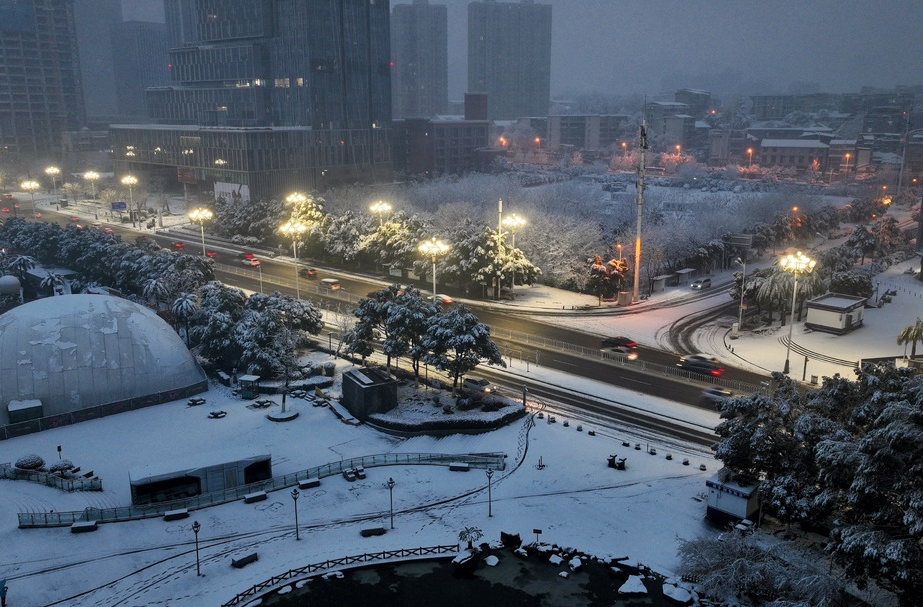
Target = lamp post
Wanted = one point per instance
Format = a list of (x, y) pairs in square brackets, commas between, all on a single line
[(53, 172), (131, 181), (259, 267), (381, 208), (30, 186), (846, 169), (513, 222), (195, 529), (200, 216), (619, 245), (743, 284), (799, 263), (433, 248), (92, 176), (750, 160), (293, 229), (490, 474), (391, 499), (295, 495)]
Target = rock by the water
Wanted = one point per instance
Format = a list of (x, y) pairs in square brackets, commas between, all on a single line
[(564, 574), (633, 585), (491, 561), (575, 563), (680, 596), (554, 559)]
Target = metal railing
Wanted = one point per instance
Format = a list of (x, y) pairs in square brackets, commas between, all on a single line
[(340, 563), (51, 480), (28, 520)]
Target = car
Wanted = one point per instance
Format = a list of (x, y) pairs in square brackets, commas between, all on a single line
[(246, 256), (715, 395), (211, 253), (701, 363), (75, 219), (307, 272), (331, 283), (439, 298), (6, 210), (478, 385), (250, 262), (627, 352), (36, 215), (108, 230), (8, 197), (621, 340), (702, 283), (179, 245)]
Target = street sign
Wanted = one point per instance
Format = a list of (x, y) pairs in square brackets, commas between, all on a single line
[(119, 205), (185, 175), (739, 240)]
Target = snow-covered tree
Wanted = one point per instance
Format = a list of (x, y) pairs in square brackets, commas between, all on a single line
[(456, 342), (409, 317), (372, 322), (852, 283), (220, 309), (184, 308), (861, 242), (911, 335)]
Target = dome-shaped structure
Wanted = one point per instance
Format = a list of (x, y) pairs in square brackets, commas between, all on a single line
[(9, 285), (74, 352)]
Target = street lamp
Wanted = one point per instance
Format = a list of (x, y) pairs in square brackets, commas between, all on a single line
[(619, 245), (433, 248), (294, 229), (199, 216), (30, 186), (750, 161), (131, 181), (743, 283), (92, 176), (391, 499), (513, 222), (799, 263), (195, 529), (846, 170), (490, 474), (381, 208), (679, 149), (624, 149), (295, 495), (53, 172)]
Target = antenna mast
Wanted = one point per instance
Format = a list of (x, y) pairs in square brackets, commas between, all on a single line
[(642, 146)]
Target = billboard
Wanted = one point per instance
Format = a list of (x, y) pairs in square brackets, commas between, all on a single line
[(185, 174), (119, 205), (232, 192)]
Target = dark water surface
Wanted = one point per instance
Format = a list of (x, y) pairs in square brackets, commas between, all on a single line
[(514, 582)]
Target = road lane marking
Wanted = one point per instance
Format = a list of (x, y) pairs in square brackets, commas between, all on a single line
[(563, 363), (637, 381)]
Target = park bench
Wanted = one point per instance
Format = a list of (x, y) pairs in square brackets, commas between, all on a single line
[(83, 527), (459, 467), (194, 402), (309, 483), (372, 531), (175, 515), (256, 496), (244, 560)]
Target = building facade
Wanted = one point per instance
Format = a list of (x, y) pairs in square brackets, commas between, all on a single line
[(441, 145), (40, 85), (93, 20), (419, 53), (586, 132), (267, 96), (140, 61), (509, 57)]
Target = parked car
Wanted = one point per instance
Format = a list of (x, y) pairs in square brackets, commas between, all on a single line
[(478, 385), (715, 396), (615, 342), (626, 351), (701, 363), (702, 283), (250, 262), (307, 272), (332, 284)]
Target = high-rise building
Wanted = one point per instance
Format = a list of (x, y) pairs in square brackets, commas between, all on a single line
[(93, 20), (420, 62), (267, 96), (140, 61), (509, 57), (40, 92)]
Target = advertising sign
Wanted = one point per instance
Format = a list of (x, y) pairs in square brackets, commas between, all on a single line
[(185, 174), (119, 205)]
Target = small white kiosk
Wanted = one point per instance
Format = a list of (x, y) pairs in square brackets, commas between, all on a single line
[(835, 313), (730, 501)]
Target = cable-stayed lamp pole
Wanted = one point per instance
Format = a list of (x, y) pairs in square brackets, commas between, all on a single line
[(799, 263), (642, 146), (294, 229), (434, 248), (200, 216)]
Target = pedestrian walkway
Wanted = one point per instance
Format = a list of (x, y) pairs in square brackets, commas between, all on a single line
[(817, 355)]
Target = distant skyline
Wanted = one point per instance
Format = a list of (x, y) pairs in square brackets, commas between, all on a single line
[(741, 46)]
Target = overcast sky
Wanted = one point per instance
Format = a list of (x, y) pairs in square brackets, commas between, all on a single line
[(653, 46)]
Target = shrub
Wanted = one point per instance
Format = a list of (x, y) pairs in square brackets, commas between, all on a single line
[(447, 409), (30, 462), (61, 466), (329, 368), (466, 404)]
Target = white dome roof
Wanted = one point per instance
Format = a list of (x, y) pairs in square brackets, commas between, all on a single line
[(79, 351), (9, 285)]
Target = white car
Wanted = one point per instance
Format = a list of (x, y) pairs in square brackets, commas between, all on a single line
[(479, 385)]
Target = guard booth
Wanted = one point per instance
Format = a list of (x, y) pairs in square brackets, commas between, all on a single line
[(729, 499), (249, 386)]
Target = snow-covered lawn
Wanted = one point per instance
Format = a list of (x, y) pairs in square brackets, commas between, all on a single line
[(575, 499)]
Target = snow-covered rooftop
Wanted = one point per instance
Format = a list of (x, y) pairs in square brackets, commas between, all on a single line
[(792, 143)]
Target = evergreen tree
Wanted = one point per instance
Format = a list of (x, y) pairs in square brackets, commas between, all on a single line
[(457, 343)]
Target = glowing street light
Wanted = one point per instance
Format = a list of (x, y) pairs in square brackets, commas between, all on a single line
[(846, 170), (296, 198), (799, 263), (53, 172), (131, 181), (750, 154), (679, 149), (619, 246), (200, 216), (434, 248), (294, 229), (30, 186), (92, 176), (381, 208), (512, 223)]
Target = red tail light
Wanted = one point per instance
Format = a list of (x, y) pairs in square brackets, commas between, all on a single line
[(717, 371)]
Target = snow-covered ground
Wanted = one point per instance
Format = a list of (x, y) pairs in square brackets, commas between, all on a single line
[(575, 499)]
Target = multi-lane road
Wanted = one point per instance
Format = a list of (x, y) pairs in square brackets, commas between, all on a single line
[(523, 336)]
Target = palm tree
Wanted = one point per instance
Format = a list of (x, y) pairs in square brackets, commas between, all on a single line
[(51, 281), (183, 308), (155, 289), (911, 335), (19, 265)]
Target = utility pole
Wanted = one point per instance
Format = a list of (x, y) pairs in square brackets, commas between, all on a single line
[(499, 244), (642, 146), (900, 175)]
